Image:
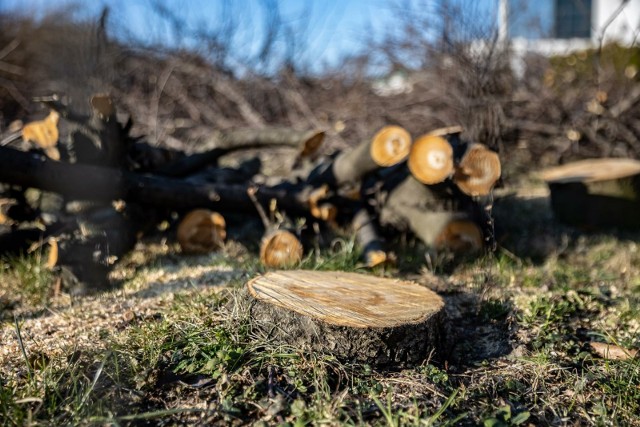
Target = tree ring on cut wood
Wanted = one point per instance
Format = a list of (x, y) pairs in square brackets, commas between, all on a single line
[(461, 236), (390, 146), (201, 231), (280, 249), (478, 171), (352, 316), (431, 159)]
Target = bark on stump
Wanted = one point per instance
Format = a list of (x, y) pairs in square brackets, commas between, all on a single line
[(355, 317)]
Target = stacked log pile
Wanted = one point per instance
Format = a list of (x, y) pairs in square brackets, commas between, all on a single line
[(100, 189)]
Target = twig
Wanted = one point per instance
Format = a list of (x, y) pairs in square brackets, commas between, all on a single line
[(22, 348)]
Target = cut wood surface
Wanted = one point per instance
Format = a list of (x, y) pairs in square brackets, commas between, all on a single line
[(354, 317), (201, 231), (280, 249), (390, 146), (591, 170), (347, 299), (431, 159), (478, 171)]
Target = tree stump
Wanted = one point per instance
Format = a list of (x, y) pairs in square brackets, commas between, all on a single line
[(355, 317), (595, 193)]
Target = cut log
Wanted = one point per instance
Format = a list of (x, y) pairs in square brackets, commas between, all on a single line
[(307, 143), (478, 170), (323, 211), (431, 159), (201, 231), (595, 193), (440, 222), (388, 147), (355, 317), (280, 249), (373, 251), (87, 182)]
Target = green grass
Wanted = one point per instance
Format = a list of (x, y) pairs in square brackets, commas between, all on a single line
[(199, 359)]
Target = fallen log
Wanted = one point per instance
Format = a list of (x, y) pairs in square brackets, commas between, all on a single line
[(436, 217), (222, 143), (88, 182), (355, 317), (388, 147)]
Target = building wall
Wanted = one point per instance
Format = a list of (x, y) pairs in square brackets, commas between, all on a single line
[(624, 28)]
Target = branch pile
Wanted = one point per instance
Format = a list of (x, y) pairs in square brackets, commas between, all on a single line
[(100, 189)]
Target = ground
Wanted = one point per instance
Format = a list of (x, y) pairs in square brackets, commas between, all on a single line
[(173, 345)]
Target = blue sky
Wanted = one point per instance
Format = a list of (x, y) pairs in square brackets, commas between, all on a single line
[(330, 28)]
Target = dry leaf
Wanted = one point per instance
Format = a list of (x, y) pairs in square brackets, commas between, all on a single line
[(612, 351)]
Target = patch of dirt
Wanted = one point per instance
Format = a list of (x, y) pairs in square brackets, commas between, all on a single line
[(69, 325)]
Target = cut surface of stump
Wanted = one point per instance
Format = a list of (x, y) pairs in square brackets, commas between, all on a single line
[(349, 315), (596, 192)]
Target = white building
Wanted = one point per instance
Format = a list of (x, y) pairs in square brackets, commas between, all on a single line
[(552, 27)]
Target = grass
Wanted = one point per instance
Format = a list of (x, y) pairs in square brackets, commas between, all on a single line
[(519, 349)]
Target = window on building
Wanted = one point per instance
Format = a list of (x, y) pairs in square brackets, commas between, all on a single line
[(572, 19)]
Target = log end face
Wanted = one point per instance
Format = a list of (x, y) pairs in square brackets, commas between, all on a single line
[(201, 231), (431, 159), (478, 171), (280, 249), (390, 146), (312, 144), (460, 236)]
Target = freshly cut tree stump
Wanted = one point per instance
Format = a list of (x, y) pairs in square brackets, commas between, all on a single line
[(355, 317), (595, 193)]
